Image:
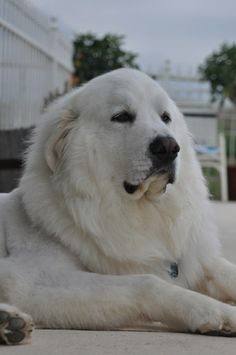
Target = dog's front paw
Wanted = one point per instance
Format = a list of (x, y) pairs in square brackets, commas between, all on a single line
[(15, 326), (225, 328), (220, 324)]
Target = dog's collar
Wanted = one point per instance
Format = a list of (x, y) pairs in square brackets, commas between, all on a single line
[(173, 270)]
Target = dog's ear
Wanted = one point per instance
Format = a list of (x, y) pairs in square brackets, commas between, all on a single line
[(57, 141)]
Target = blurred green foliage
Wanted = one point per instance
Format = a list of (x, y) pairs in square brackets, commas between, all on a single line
[(219, 69), (213, 182), (94, 56)]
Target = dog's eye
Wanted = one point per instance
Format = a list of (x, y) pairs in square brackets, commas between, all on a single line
[(123, 117), (166, 117)]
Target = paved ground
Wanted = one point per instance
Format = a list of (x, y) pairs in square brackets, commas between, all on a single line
[(59, 342)]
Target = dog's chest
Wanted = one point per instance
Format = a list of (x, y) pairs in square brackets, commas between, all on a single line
[(153, 239), (175, 271)]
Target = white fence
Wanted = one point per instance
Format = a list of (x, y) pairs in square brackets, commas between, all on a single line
[(35, 59)]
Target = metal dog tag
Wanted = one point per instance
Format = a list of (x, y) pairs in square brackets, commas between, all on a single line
[(174, 270)]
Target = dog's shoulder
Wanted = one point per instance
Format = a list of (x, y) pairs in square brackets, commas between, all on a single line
[(7, 215), (9, 202), (12, 214)]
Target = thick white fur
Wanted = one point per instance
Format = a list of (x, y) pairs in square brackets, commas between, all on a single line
[(77, 251)]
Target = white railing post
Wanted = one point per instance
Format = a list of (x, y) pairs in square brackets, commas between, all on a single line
[(54, 43), (223, 168)]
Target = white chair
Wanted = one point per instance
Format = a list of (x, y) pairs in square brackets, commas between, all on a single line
[(210, 145), (216, 159)]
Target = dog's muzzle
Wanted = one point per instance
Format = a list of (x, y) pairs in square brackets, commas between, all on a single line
[(163, 150)]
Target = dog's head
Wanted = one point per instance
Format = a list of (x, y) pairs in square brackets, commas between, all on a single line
[(120, 131)]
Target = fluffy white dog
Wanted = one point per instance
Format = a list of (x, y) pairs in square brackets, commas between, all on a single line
[(111, 222)]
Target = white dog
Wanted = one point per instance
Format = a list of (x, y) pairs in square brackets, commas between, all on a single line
[(111, 222)]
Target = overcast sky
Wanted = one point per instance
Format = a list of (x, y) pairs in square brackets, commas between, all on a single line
[(183, 31)]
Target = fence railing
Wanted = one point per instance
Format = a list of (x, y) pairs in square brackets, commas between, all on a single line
[(35, 59)]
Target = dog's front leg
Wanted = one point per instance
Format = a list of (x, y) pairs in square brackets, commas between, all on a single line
[(92, 301), (220, 280)]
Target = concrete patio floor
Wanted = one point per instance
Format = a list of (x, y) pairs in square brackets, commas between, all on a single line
[(61, 342)]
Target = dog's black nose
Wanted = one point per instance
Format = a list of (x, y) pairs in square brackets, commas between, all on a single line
[(164, 148)]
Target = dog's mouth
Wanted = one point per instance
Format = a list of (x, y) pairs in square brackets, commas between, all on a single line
[(161, 177)]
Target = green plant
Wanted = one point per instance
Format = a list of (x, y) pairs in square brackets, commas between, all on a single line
[(94, 56), (219, 69)]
